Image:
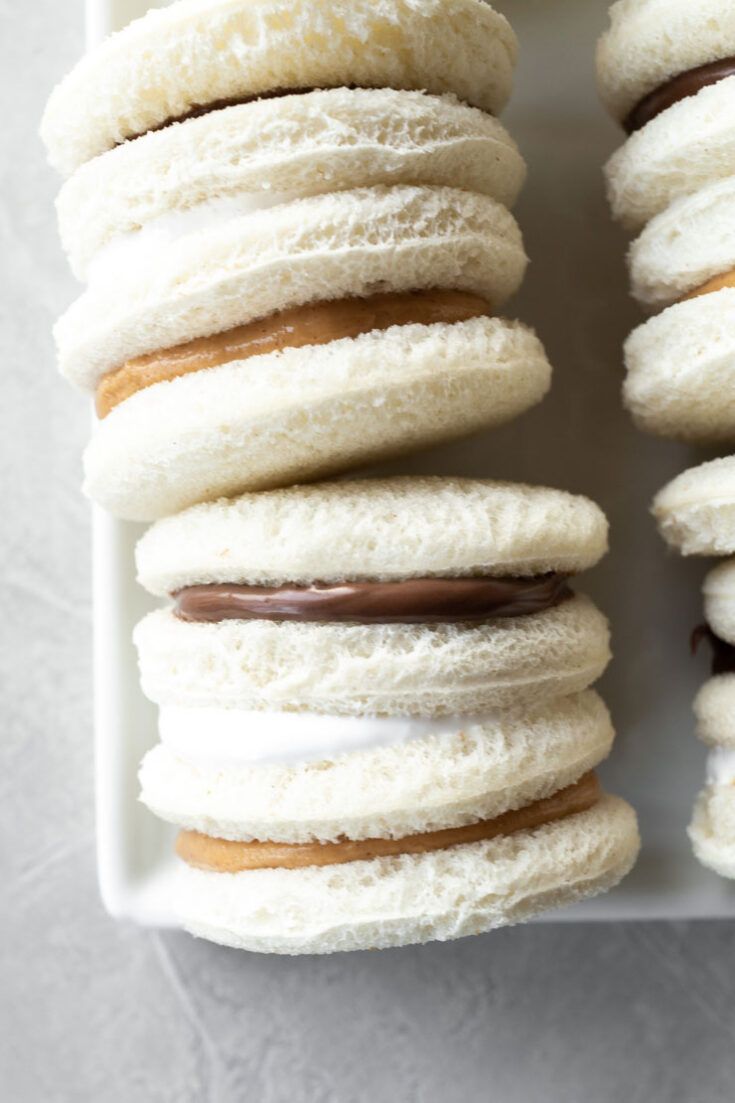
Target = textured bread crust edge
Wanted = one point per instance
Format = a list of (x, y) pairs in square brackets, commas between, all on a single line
[(716, 852), (305, 413), (719, 600), (343, 245), (680, 380), (696, 511), (444, 895), (683, 149), (714, 708), (296, 146), (649, 41), (423, 785), (199, 52), (379, 669), (374, 529), (685, 246)]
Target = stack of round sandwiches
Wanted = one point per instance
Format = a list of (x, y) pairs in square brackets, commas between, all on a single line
[(294, 223), (376, 721), (667, 73), (376, 726)]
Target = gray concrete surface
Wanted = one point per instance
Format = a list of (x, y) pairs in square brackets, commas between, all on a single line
[(92, 1010)]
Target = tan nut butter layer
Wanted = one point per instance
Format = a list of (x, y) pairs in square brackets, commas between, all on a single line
[(225, 856), (315, 324), (717, 283)]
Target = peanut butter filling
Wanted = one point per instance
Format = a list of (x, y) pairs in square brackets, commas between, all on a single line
[(313, 324), (226, 856), (717, 283)]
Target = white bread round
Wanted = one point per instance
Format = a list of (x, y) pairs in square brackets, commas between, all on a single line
[(383, 529), (719, 600), (684, 148), (343, 245), (681, 371), (714, 708), (696, 511), (284, 148), (686, 245), (487, 767), (374, 669), (442, 895), (650, 41), (303, 413), (199, 52), (712, 830)]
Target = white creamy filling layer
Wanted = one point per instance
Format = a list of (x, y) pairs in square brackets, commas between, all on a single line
[(721, 766), (225, 738), (130, 252)]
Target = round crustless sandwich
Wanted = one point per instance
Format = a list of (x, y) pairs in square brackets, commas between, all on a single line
[(666, 71), (295, 227), (375, 715), (712, 830)]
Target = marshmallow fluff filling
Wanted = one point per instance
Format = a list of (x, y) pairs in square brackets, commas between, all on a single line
[(221, 738), (297, 328), (125, 254), (237, 738), (721, 766)]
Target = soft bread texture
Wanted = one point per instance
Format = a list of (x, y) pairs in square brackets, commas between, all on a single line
[(198, 52), (650, 41), (680, 151), (296, 146), (719, 600), (337, 246), (423, 785), (377, 669), (696, 511), (714, 708), (685, 246), (681, 371), (384, 529), (712, 830), (303, 413), (442, 895)]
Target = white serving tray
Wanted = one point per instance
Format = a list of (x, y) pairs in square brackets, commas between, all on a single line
[(579, 439)]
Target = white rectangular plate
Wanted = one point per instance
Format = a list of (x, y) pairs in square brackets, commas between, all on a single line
[(579, 439)]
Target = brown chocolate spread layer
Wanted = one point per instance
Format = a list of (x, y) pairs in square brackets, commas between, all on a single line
[(723, 653), (198, 109), (678, 88), (409, 601), (312, 324), (226, 856)]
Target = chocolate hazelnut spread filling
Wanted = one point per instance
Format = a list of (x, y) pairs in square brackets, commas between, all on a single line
[(723, 653), (409, 601), (226, 856), (312, 324), (198, 109), (678, 88)]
